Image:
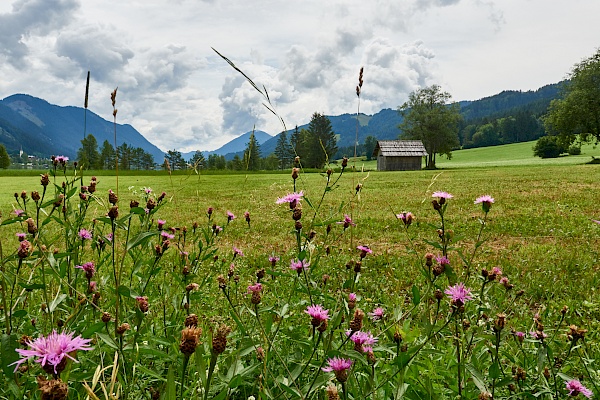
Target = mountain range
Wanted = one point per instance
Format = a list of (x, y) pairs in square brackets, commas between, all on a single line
[(40, 128)]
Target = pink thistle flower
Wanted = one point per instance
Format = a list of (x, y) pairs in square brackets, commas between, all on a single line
[(337, 364), (406, 217), (230, 216), (520, 336), (442, 195), (237, 252), (50, 351), (217, 229), (459, 294), (292, 199), (256, 288), (109, 237), (352, 296), (21, 236), (377, 314), (88, 268), (538, 335), (84, 234), (575, 387), (19, 213), (361, 339), (486, 202), (62, 159), (148, 190), (273, 260), (497, 271), (299, 265), (443, 260), (166, 235), (318, 313), (93, 287), (364, 250), (347, 221), (596, 221), (160, 223)]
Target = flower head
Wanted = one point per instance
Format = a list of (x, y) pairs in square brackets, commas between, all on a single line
[(237, 252), (273, 260), (89, 269), (230, 216), (486, 202), (337, 364), (347, 221), (19, 213), (51, 351), (406, 217), (256, 288), (160, 223), (459, 294), (21, 236), (442, 195), (377, 314), (352, 296), (575, 387), (538, 335), (62, 159), (292, 199), (317, 312), (364, 250), (166, 235), (361, 340), (443, 260), (299, 265), (84, 234)]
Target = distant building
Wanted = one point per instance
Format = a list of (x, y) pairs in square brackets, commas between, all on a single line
[(399, 155)]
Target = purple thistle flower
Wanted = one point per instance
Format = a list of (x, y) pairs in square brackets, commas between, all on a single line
[(50, 351), (273, 260), (443, 260), (442, 195), (109, 237), (299, 265), (148, 190), (62, 159), (352, 296), (337, 364), (160, 223), (292, 199), (486, 202), (256, 288), (538, 335), (317, 313), (89, 269), (84, 234), (230, 216), (166, 235), (377, 314), (575, 387), (237, 252), (364, 250), (459, 294), (347, 222), (19, 213), (361, 339), (21, 236), (520, 336), (406, 217)]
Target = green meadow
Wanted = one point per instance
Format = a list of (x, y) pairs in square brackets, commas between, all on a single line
[(539, 235)]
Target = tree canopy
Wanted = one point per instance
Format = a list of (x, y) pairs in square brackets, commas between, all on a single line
[(577, 112), (430, 117), (320, 142)]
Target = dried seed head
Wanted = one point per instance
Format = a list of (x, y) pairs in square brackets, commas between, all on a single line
[(357, 320), (113, 213), (189, 340), (54, 389), (191, 321), (332, 392), (45, 180), (35, 196), (219, 341), (121, 329)]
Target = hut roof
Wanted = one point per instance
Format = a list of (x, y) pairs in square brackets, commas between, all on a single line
[(400, 148)]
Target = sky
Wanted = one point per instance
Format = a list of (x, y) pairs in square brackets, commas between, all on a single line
[(181, 95)]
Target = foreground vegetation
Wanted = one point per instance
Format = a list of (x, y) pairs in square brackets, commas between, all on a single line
[(188, 297)]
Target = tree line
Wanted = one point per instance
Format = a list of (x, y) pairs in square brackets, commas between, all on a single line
[(89, 156)]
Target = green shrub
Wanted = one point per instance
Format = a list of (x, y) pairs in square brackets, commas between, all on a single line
[(548, 147)]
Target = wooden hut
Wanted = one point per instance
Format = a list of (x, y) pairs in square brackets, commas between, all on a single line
[(399, 155)]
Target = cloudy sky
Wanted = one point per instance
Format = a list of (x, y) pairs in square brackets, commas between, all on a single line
[(180, 94)]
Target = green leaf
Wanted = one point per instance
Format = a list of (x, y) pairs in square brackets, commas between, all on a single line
[(20, 313), (108, 340), (140, 239), (8, 355), (31, 286), (60, 297), (124, 291), (416, 295), (477, 378), (494, 370), (92, 329), (171, 390)]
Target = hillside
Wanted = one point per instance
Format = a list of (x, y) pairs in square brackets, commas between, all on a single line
[(42, 128)]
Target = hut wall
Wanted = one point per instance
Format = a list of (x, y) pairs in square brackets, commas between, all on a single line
[(398, 163)]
